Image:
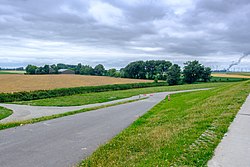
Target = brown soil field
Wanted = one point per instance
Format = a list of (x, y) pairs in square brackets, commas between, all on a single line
[(230, 75), (16, 82)]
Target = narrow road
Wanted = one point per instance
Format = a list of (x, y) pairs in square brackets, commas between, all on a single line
[(234, 149), (67, 140), (25, 112)]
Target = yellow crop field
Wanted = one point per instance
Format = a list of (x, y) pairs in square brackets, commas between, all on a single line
[(230, 75), (17, 83)]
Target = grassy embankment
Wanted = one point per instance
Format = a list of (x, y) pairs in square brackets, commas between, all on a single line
[(90, 98), (182, 132), (4, 112)]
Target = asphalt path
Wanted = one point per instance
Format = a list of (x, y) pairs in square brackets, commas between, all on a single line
[(26, 112), (66, 141)]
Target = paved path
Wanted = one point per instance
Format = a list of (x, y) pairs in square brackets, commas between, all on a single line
[(234, 149), (67, 140), (25, 112)]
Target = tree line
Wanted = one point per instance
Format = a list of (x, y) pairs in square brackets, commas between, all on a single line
[(152, 69)]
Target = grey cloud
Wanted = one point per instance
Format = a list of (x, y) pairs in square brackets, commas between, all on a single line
[(148, 29)]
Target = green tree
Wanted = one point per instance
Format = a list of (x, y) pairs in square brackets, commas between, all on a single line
[(78, 68), (111, 72), (135, 70), (46, 69), (173, 75), (99, 70), (192, 71), (157, 68), (86, 70), (53, 69), (206, 74), (31, 69)]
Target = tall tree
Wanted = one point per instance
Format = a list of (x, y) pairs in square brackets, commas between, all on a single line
[(78, 68), (31, 69), (111, 72), (87, 70), (135, 70), (173, 74), (206, 74), (99, 70), (192, 71)]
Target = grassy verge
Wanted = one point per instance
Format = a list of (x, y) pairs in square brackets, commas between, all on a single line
[(182, 132), (4, 112), (227, 79), (35, 120), (11, 72), (90, 98)]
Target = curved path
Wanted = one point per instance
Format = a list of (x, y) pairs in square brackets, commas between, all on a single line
[(25, 112), (66, 141)]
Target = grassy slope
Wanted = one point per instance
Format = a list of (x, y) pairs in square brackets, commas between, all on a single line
[(182, 132), (91, 98), (227, 79), (4, 112)]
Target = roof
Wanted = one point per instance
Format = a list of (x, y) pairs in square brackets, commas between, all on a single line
[(62, 70)]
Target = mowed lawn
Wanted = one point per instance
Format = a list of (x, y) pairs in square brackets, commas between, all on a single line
[(181, 132), (16, 83)]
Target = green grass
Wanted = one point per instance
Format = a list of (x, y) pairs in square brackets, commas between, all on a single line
[(182, 132), (35, 120), (227, 79), (90, 98), (11, 72), (4, 112)]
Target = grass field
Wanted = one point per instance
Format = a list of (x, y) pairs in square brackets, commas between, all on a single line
[(4, 112), (182, 132), (227, 79), (11, 72), (90, 98), (17, 83)]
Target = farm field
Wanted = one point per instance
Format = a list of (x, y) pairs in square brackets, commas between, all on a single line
[(99, 97), (16, 83), (232, 75), (181, 132)]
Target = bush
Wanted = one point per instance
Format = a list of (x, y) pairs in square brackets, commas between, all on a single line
[(42, 94)]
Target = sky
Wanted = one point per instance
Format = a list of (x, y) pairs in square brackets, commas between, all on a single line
[(116, 32)]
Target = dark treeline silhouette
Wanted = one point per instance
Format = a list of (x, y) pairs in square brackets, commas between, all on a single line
[(155, 70)]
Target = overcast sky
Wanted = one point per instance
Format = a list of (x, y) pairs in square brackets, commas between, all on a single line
[(116, 32)]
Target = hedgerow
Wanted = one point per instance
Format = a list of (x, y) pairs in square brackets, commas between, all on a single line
[(42, 94)]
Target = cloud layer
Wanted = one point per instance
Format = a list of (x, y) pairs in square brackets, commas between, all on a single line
[(115, 32)]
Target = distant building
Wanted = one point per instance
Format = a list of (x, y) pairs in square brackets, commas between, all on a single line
[(66, 71)]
